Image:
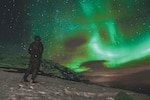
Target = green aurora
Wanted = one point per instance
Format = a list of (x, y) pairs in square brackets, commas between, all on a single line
[(77, 31)]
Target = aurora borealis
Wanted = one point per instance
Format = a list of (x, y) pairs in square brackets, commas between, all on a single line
[(77, 31)]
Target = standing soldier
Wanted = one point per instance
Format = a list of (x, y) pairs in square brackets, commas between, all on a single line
[(35, 50)]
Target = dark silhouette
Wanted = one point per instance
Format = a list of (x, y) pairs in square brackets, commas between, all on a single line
[(35, 50)]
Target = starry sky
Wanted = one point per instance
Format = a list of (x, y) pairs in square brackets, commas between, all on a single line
[(77, 31)]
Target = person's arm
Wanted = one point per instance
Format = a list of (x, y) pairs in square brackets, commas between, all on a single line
[(30, 49), (41, 48)]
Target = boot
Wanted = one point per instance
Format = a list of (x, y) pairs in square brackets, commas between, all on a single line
[(31, 81), (24, 80)]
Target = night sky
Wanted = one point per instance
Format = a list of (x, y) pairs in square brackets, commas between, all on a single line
[(77, 31)]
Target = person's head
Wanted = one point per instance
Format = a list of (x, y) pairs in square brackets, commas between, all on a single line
[(37, 38)]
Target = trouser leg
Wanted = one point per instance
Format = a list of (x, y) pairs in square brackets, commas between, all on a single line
[(27, 73), (35, 71), (29, 70)]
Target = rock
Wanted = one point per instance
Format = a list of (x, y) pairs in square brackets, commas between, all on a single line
[(123, 96), (57, 70)]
